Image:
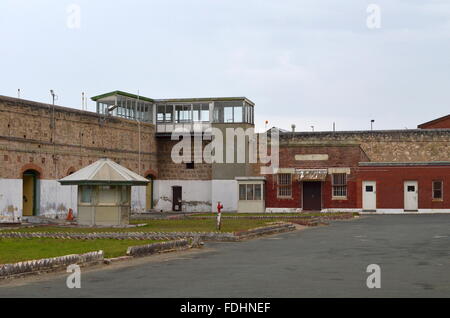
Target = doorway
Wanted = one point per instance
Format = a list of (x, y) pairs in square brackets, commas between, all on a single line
[(312, 196), (30, 193), (176, 198), (149, 194), (369, 200), (411, 196)]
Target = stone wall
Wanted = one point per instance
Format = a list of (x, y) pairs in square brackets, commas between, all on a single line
[(383, 146), (55, 141), (169, 170)]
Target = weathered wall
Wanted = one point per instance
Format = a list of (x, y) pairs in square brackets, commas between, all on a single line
[(383, 146), (225, 191), (169, 170), (55, 141), (196, 195)]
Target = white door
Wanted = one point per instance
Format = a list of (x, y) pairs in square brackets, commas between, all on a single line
[(411, 191), (369, 190)]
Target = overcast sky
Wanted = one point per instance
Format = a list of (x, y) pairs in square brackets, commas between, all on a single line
[(307, 63)]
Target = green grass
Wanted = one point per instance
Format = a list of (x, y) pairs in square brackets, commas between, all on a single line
[(16, 250), (171, 225)]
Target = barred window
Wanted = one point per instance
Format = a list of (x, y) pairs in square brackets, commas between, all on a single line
[(339, 184), (284, 185), (437, 190)]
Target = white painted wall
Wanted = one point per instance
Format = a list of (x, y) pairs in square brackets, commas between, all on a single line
[(225, 191), (138, 197), (56, 200), (196, 195), (10, 199)]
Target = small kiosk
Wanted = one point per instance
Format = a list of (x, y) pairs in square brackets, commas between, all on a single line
[(104, 192)]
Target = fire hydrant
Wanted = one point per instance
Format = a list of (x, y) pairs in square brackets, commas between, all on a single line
[(219, 207)]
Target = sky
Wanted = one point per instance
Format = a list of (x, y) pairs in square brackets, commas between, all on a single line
[(308, 63)]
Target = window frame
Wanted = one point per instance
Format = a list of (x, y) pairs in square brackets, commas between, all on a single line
[(284, 185), (245, 187), (433, 189), (339, 188)]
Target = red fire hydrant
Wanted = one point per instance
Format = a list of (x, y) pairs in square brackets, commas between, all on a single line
[(219, 207)]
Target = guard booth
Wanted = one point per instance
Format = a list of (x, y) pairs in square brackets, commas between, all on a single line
[(104, 192)]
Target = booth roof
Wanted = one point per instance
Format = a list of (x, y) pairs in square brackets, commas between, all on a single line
[(104, 172)]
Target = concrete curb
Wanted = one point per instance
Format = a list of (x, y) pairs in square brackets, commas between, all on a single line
[(266, 230), (149, 249), (49, 264)]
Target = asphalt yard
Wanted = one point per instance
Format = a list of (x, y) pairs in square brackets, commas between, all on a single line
[(412, 252)]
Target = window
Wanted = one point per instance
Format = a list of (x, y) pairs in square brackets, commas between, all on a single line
[(164, 113), (124, 199), (107, 194), (250, 192), (437, 190), (369, 188), (86, 194), (200, 112), (190, 165), (257, 192), (284, 185), (204, 112), (339, 184), (242, 191)]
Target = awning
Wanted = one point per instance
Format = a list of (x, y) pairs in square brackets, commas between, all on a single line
[(311, 174)]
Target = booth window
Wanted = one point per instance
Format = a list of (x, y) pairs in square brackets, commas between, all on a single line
[(124, 195), (107, 195), (86, 194), (340, 185), (249, 192), (284, 185), (437, 190)]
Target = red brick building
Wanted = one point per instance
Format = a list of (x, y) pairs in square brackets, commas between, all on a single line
[(439, 123), (398, 187), (345, 171)]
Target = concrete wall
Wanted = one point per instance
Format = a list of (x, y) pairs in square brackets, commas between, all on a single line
[(196, 195), (55, 200), (225, 191), (138, 199), (10, 199)]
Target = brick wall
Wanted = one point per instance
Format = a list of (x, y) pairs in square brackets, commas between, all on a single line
[(390, 183), (347, 156)]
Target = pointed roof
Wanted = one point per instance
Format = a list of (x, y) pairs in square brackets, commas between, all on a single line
[(104, 172)]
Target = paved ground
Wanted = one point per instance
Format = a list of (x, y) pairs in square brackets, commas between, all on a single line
[(412, 250)]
